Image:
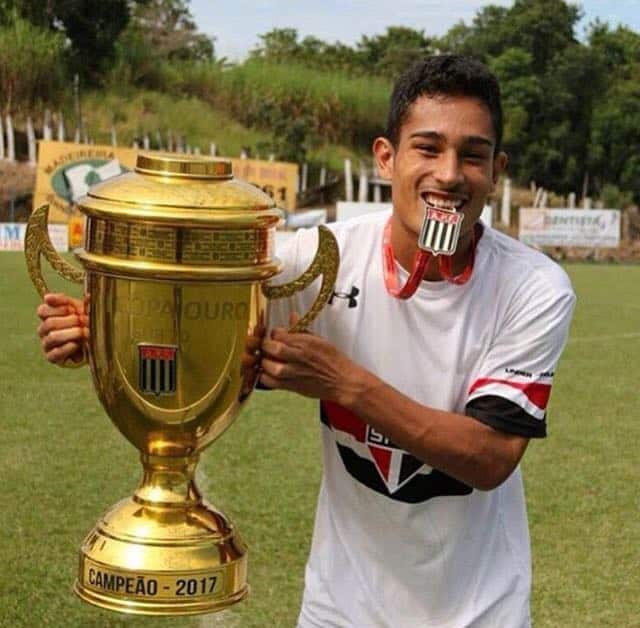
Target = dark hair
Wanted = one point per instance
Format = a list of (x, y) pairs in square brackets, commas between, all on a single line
[(444, 75)]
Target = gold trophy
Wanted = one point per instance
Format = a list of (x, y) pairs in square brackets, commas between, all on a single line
[(176, 259)]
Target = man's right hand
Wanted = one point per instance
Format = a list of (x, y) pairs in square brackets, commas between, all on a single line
[(64, 328)]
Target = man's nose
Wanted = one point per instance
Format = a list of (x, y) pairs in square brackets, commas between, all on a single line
[(449, 171)]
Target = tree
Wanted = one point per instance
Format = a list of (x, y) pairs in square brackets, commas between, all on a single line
[(167, 26), (91, 26), (393, 51), (277, 45), (31, 65)]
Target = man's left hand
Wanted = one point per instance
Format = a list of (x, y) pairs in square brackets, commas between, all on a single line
[(309, 365)]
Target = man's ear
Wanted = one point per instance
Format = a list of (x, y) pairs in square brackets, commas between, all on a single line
[(383, 154), (500, 162)]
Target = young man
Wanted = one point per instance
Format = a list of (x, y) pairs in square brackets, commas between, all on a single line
[(432, 376)]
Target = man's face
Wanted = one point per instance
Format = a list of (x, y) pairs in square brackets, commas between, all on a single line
[(444, 157)]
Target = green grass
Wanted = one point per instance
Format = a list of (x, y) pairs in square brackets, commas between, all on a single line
[(63, 464)]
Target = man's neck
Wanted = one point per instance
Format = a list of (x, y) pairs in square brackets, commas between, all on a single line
[(405, 247)]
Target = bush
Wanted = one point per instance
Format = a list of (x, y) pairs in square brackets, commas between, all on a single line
[(32, 66), (326, 107)]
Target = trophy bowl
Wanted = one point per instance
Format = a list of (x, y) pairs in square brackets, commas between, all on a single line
[(176, 262)]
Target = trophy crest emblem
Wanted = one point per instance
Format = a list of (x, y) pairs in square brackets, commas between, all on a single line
[(157, 372)]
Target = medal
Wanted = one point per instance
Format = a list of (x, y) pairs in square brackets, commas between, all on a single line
[(438, 238)]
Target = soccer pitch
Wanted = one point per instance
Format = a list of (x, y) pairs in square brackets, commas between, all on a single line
[(63, 463)]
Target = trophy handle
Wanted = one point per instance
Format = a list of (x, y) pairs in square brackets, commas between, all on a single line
[(37, 244), (325, 263)]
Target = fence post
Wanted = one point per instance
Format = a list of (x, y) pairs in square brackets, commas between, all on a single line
[(60, 127), (323, 176), (348, 181), (114, 135), (363, 184), (544, 201), (76, 135), (170, 141), (304, 179), (213, 149), (572, 200), (158, 140), (11, 140), (145, 142), (196, 150), (505, 206), (31, 140), (2, 153), (46, 126)]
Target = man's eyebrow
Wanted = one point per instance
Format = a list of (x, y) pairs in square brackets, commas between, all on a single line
[(478, 139), (428, 135), (471, 139)]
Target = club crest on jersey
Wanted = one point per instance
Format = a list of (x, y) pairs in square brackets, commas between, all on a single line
[(157, 369), (395, 466), (440, 231)]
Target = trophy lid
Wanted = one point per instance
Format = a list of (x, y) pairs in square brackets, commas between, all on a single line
[(179, 189)]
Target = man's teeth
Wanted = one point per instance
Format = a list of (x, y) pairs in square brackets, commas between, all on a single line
[(442, 203)]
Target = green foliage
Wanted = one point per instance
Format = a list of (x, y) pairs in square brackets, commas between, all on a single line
[(571, 111), (91, 26), (614, 198), (309, 108), (31, 66), (382, 55)]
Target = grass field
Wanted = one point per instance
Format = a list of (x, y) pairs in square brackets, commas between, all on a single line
[(63, 464)]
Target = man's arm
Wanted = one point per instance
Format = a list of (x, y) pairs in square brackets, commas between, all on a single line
[(461, 446)]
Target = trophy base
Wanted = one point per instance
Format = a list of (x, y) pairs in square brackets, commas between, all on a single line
[(162, 560)]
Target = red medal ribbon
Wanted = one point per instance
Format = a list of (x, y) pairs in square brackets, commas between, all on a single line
[(420, 264)]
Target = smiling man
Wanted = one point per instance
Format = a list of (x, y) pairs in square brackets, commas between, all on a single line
[(431, 380), (433, 369)]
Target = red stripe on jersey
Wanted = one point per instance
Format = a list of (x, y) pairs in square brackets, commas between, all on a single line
[(537, 393), (345, 421), (383, 460)]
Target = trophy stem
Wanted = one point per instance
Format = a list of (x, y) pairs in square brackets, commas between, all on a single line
[(163, 551), (168, 481)]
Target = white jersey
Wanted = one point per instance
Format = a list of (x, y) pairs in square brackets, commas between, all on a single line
[(398, 544)]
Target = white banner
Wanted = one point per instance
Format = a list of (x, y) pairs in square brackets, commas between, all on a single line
[(593, 228), (12, 236)]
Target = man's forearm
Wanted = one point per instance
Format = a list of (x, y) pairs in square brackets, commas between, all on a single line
[(458, 445)]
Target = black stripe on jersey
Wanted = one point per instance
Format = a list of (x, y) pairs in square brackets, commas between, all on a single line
[(419, 489), (506, 416)]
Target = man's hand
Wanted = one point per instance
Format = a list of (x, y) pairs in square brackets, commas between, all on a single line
[(308, 365), (64, 328)]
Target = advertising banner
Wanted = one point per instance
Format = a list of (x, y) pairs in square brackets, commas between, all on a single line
[(593, 228), (12, 236), (66, 170)]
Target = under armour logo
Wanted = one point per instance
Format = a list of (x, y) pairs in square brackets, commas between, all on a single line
[(351, 296)]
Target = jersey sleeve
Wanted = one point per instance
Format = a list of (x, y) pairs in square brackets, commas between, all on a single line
[(511, 388)]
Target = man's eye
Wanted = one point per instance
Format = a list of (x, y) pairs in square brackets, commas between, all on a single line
[(430, 149)]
